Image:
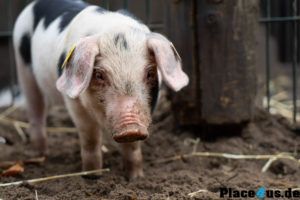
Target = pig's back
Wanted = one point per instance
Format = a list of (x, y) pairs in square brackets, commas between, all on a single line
[(38, 35), (39, 19)]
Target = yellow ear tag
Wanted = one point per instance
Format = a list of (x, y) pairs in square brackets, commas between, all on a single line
[(68, 56)]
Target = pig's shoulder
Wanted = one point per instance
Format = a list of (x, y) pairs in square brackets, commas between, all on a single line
[(50, 10)]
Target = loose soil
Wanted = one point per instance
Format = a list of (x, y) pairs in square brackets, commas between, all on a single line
[(266, 134)]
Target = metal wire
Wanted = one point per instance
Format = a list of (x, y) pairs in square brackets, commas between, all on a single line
[(268, 55), (12, 70), (280, 19), (294, 66), (125, 4), (5, 34), (148, 17), (106, 4)]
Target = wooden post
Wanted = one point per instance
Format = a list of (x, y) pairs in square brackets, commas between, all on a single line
[(216, 39)]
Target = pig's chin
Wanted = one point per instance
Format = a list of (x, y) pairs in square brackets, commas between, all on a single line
[(130, 133)]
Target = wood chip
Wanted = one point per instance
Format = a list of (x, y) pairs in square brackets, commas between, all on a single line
[(14, 170)]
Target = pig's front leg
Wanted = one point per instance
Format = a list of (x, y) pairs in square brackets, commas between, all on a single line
[(132, 158), (91, 142), (90, 136)]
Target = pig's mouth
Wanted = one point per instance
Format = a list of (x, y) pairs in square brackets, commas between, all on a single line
[(130, 129)]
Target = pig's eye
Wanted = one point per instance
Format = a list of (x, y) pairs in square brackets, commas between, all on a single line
[(100, 76), (151, 74)]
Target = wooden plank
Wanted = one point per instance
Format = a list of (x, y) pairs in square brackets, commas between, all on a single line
[(138, 8), (157, 11), (179, 28), (116, 5), (226, 34), (217, 44)]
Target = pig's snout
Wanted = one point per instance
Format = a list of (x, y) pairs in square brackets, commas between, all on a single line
[(131, 124), (131, 134), (130, 129)]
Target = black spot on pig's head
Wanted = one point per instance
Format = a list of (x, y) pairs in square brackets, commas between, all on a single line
[(120, 39), (128, 88)]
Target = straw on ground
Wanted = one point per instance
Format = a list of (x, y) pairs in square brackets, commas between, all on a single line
[(227, 155), (193, 194), (19, 124), (55, 177)]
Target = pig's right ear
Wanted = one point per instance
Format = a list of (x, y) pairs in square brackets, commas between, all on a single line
[(78, 68)]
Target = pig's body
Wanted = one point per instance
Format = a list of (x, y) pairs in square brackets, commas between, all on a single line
[(110, 83)]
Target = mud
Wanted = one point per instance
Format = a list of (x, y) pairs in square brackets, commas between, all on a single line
[(168, 180)]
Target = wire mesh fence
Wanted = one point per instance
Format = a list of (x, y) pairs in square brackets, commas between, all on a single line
[(269, 20)]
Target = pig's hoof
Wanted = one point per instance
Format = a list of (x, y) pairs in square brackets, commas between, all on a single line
[(40, 145), (130, 136), (130, 176)]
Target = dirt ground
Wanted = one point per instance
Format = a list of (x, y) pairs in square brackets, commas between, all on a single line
[(168, 180)]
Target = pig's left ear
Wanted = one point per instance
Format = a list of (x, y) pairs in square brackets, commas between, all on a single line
[(168, 61), (78, 68)]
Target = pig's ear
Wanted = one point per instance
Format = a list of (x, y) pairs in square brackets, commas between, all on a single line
[(78, 68), (168, 61)]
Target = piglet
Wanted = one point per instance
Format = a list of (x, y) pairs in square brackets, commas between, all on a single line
[(105, 66)]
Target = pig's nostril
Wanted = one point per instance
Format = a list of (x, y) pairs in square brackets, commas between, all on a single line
[(129, 119), (129, 131), (127, 122), (130, 136)]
